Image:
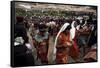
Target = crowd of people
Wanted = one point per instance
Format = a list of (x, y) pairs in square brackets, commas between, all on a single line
[(43, 40)]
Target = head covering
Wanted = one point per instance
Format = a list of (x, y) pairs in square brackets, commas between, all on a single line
[(68, 27), (61, 30), (72, 30)]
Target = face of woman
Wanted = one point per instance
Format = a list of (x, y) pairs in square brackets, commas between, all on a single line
[(66, 31)]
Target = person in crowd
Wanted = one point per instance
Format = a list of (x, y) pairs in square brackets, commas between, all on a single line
[(92, 42), (20, 30), (91, 56), (63, 45), (74, 50), (84, 35), (22, 56), (40, 41)]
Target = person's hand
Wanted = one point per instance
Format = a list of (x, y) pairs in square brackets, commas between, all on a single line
[(69, 43), (28, 46), (43, 43)]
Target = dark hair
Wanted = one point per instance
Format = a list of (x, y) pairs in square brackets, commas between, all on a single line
[(68, 27), (42, 27), (19, 19)]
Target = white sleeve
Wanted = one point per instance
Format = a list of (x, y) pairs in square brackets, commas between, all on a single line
[(72, 33)]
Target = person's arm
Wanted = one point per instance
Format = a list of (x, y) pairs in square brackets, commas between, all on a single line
[(69, 44), (63, 42)]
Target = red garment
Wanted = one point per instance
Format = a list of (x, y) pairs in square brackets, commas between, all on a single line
[(62, 50), (91, 56), (42, 50), (62, 55), (74, 51), (42, 53)]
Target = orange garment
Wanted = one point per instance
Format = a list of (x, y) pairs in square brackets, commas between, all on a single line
[(62, 48), (62, 39), (42, 52)]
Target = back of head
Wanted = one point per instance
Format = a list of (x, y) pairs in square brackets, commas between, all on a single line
[(19, 19)]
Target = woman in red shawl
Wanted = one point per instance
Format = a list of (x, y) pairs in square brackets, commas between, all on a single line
[(63, 45)]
